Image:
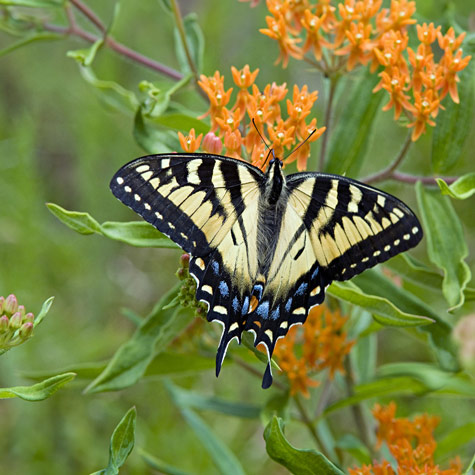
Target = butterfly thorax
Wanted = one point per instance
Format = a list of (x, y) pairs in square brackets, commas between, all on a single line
[(272, 205)]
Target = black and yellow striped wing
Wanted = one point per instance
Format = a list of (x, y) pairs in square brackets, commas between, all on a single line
[(264, 246)]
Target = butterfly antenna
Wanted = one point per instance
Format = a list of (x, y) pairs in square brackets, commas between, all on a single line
[(271, 150), (300, 144)]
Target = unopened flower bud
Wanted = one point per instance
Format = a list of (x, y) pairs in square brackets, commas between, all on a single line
[(2, 303), (185, 260), (11, 304), (26, 330), (4, 323), (29, 318), (21, 310), (15, 321), (212, 144), (181, 274)]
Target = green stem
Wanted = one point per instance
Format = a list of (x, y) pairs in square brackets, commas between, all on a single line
[(328, 119), (310, 425), (357, 410), (182, 33)]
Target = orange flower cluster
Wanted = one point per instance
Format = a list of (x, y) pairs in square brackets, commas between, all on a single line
[(324, 345), (411, 443), (231, 125), (360, 32)]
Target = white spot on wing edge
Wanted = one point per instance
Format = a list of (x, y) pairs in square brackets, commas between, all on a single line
[(127, 189), (142, 168), (119, 180)]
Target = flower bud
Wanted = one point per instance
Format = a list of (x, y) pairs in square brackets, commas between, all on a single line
[(2, 303), (29, 318), (15, 321), (185, 261), (212, 144), (4, 323), (21, 310), (26, 330), (11, 304)]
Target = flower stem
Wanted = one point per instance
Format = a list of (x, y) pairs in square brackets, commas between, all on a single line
[(357, 410), (310, 425), (389, 170), (426, 180), (181, 30), (89, 14), (328, 118)]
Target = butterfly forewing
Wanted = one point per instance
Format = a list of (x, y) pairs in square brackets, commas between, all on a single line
[(352, 226)]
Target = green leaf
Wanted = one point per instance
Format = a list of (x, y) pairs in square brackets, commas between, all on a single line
[(433, 377), (384, 310), (176, 364), (460, 189), (355, 448), (34, 3), (42, 36), (135, 233), (194, 400), (352, 134), (455, 439), (454, 123), (151, 139), (38, 391), (86, 56), (82, 223), (122, 441), (182, 122), (298, 462), (446, 245), (160, 465), (224, 459), (195, 42), (112, 94), (44, 310), (131, 360), (439, 333), (414, 271)]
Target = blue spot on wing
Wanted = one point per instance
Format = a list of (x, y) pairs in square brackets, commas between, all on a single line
[(223, 288), (288, 305), (235, 304), (275, 313), (315, 273), (245, 306), (302, 288), (263, 310), (215, 266)]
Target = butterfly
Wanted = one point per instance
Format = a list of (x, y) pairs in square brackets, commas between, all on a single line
[(264, 246)]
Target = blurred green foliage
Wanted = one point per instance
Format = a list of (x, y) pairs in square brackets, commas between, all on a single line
[(60, 142)]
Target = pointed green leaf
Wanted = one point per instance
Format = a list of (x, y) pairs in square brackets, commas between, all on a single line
[(80, 222), (460, 189), (153, 140), (195, 42), (122, 440), (352, 134), (194, 400), (439, 333), (137, 233), (38, 391), (455, 123), (298, 462), (224, 459), (446, 245), (110, 93), (385, 311), (44, 310), (131, 360)]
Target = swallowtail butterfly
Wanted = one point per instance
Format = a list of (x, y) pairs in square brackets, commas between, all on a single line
[(264, 246)]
